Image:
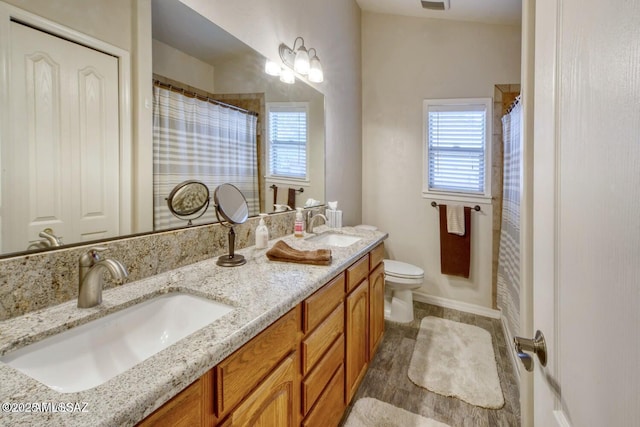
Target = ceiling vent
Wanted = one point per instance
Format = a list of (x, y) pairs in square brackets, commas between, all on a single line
[(435, 4)]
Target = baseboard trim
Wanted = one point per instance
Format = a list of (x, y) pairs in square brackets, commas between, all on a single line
[(457, 305), (515, 362)]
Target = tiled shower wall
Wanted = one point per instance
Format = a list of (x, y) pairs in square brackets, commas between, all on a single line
[(40, 280)]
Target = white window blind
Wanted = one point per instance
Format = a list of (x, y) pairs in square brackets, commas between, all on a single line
[(456, 146), (288, 141)]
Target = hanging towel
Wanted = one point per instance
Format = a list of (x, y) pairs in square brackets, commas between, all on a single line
[(455, 251), (291, 200), (455, 220), (285, 253)]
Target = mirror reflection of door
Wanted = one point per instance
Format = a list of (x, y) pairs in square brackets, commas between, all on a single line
[(60, 170)]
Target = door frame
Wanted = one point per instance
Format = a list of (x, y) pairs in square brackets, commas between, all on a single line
[(9, 13), (540, 41), (527, 86)]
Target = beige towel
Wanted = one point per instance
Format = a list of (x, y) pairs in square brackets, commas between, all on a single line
[(285, 253), (455, 220)]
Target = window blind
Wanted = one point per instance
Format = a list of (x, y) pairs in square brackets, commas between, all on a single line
[(288, 142), (456, 148)]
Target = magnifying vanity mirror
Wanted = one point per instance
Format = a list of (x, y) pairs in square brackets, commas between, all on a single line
[(106, 198), (189, 200), (232, 206)]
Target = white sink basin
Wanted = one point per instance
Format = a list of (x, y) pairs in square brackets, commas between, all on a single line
[(334, 239), (91, 354)]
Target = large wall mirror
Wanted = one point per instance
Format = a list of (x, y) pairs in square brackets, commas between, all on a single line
[(194, 61)]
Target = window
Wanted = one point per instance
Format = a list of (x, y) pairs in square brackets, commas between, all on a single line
[(457, 147), (287, 135)]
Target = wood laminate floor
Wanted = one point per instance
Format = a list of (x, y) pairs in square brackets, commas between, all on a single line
[(387, 378)]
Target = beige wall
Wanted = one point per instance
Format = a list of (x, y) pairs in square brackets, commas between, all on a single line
[(404, 61), (333, 28), (107, 20), (177, 65)]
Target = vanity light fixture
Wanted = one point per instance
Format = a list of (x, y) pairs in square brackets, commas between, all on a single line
[(300, 60)]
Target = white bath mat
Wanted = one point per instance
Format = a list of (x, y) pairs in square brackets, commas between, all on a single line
[(456, 359), (368, 412)]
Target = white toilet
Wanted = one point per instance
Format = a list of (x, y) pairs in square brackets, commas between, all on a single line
[(400, 281)]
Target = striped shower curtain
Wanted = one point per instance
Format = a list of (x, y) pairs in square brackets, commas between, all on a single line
[(509, 253), (196, 139)]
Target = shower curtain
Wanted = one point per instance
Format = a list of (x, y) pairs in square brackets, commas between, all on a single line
[(509, 250), (196, 139)]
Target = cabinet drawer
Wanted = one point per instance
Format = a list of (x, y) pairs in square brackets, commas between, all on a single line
[(330, 407), (321, 304), (357, 273), (316, 381), (246, 367), (316, 344), (376, 256)]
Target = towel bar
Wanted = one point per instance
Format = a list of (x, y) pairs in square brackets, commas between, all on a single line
[(475, 208), (275, 187)]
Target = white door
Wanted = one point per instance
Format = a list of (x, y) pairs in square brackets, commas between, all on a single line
[(587, 212), (60, 167)]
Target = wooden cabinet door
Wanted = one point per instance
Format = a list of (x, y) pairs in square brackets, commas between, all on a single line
[(357, 334), (185, 409), (274, 402), (376, 308), (241, 372)]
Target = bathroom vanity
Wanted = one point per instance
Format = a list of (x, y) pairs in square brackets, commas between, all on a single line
[(303, 369), (292, 351)]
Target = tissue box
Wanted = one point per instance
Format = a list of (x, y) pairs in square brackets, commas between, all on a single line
[(334, 218)]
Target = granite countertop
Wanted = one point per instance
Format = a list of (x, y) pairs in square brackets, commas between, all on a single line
[(260, 291)]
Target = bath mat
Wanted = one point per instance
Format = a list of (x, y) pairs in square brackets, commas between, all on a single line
[(368, 412), (456, 359)]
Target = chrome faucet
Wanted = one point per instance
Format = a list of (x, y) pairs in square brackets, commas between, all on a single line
[(311, 219), (91, 276)]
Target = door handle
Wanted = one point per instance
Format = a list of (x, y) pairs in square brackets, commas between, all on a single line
[(536, 346)]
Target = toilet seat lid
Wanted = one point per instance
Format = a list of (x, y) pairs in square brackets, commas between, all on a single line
[(402, 269)]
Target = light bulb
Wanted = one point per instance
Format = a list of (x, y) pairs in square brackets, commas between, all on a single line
[(315, 70), (271, 68), (301, 63), (287, 76)]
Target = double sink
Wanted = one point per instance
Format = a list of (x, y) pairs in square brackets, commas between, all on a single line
[(89, 355)]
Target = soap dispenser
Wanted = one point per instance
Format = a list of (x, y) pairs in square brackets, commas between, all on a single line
[(262, 233), (298, 228)]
